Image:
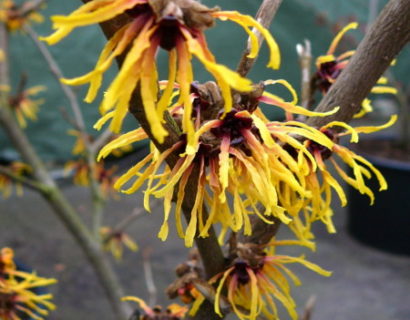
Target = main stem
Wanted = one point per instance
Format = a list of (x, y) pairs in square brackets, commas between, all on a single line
[(385, 39), (209, 248), (53, 195), (375, 53), (388, 35)]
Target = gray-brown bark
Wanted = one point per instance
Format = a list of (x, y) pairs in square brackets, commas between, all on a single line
[(389, 34), (385, 39), (264, 16), (53, 195)]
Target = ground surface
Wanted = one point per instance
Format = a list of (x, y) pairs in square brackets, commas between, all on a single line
[(366, 284)]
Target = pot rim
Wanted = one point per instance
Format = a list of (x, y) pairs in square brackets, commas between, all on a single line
[(386, 162), (382, 161)]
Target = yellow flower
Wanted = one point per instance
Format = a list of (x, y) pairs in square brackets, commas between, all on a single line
[(24, 106), (120, 151), (80, 171), (172, 312), (106, 178), (7, 264), (330, 66), (80, 144), (18, 291), (238, 153), (257, 279), (81, 175), (248, 165), (15, 16), (114, 242), (176, 26), (7, 183), (319, 180)]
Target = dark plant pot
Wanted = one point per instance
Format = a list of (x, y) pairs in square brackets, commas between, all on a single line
[(386, 224)]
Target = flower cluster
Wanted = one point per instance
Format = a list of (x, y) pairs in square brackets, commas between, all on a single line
[(24, 106), (226, 154), (330, 66), (81, 175), (245, 162), (176, 26), (81, 141), (15, 16), (19, 297), (320, 181), (6, 183), (114, 241), (257, 279)]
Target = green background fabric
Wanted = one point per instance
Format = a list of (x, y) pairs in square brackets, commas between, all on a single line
[(296, 20)]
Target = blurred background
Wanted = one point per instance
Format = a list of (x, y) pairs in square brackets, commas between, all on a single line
[(316, 20)]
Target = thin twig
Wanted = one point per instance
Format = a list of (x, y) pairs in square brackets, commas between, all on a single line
[(57, 73), (126, 222), (261, 232), (373, 9), (30, 6), (101, 140), (149, 279), (22, 84), (305, 62), (67, 117), (94, 145), (33, 184), (96, 193), (308, 311), (53, 195), (264, 16), (79, 122)]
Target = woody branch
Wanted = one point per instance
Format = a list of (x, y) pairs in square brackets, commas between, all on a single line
[(375, 53), (79, 124), (44, 183), (388, 35), (390, 32)]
